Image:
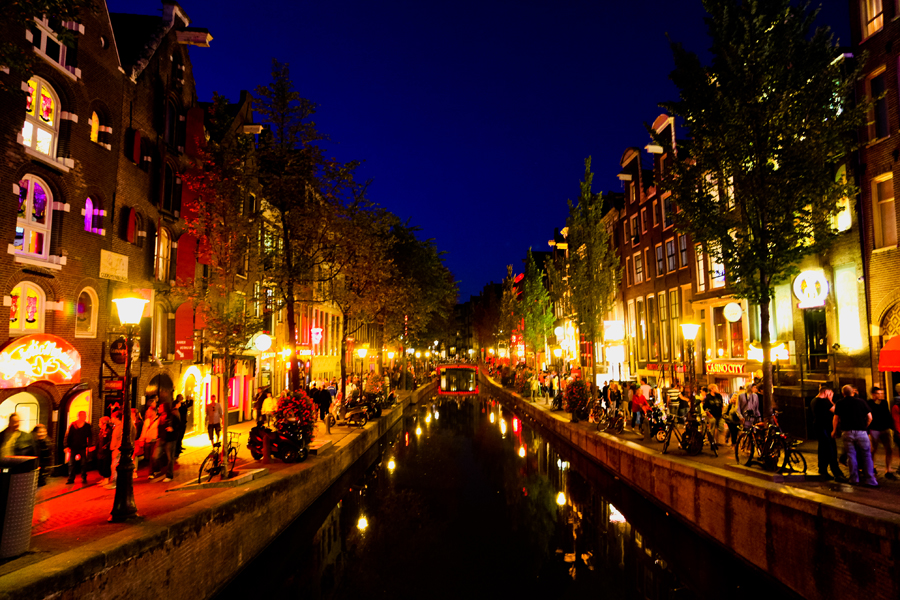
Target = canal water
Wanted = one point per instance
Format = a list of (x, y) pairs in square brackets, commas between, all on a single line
[(464, 500)]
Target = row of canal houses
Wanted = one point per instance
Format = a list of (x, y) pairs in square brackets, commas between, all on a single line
[(94, 143), (837, 321)]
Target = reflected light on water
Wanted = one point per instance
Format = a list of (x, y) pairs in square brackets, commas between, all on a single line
[(418, 431), (561, 498), (392, 465), (503, 426), (522, 451), (362, 523), (615, 516), (492, 418)]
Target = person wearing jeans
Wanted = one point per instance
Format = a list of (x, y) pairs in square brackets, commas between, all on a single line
[(852, 416)]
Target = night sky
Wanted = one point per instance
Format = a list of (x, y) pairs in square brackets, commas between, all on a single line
[(473, 118)]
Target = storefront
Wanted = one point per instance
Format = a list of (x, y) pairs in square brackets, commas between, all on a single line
[(236, 396), (728, 375)]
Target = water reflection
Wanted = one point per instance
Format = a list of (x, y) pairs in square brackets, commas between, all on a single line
[(463, 497)]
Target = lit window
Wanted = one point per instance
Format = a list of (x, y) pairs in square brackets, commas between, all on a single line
[(670, 255), (683, 249), (660, 262), (878, 113), (88, 214), (872, 16), (884, 211), (641, 330), (843, 219), (638, 268), (95, 127), (86, 313), (33, 219), (26, 313), (664, 325), (701, 268), (161, 330), (163, 254), (716, 269), (41, 128)]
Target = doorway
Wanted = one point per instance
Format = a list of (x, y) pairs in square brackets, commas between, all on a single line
[(816, 339)]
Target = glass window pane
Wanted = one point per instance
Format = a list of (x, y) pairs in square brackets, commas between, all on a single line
[(48, 107), (15, 310), (44, 141), (36, 243), (95, 127), (33, 309), (29, 100), (888, 224), (19, 239), (27, 131), (88, 214), (52, 49), (39, 205), (84, 313)]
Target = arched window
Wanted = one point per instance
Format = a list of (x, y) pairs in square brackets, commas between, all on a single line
[(95, 127), (33, 219), (26, 311), (88, 213), (93, 216), (171, 122), (41, 129), (163, 254), (86, 313), (161, 329)]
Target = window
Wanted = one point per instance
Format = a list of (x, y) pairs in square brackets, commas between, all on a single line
[(171, 197), (33, 219), (884, 211), (670, 255), (653, 318), (872, 16), (139, 232), (93, 216), (632, 191), (737, 338), (641, 330), (843, 220), (664, 325), (729, 194), (846, 288), (701, 268), (26, 311), (160, 332), (624, 233), (628, 272), (48, 45), (638, 268), (682, 249), (716, 268), (647, 263), (95, 127), (86, 313), (668, 221), (41, 129), (635, 231), (675, 316), (163, 255), (645, 224), (660, 263), (720, 326), (171, 122), (656, 216), (878, 114)]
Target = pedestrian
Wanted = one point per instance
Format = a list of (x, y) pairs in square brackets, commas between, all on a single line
[(684, 401), (181, 405), (14, 442), (149, 436), (104, 454), (880, 430), (614, 397), (323, 399), (627, 397), (269, 407), (115, 446), (169, 425), (714, 404), (822, 408), (645, 388), (535, 387), (732, 418), (213, 420), (673, 394), (639, 408), (852, 417), (748, 405), (77, 440), (44, 454)]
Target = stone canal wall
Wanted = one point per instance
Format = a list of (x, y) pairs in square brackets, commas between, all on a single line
[(820, 546), (192, 552)]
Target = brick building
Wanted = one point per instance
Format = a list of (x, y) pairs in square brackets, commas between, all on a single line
[(875, 30)]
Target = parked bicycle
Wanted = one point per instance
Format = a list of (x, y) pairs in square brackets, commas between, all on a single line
[(615, 422), (775, 450), (213, 465), (690, 440), (599, 416)]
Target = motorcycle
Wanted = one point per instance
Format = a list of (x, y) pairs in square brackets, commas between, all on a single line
[(657, 424), (351, 412), (288, 447), (556, 404)]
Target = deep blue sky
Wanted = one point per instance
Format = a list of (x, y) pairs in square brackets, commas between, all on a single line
[(473, 117)]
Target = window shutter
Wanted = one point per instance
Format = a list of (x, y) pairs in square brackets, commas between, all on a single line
[(184, 331), (135, 147), (130, 230), (186, 265), (195, 137), (151, 251)]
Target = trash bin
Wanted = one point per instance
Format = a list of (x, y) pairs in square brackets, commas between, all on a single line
[(18, 483)]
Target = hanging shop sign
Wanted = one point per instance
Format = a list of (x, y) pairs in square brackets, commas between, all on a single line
[(113, 266), (39, 357), (722, 368), (732, 312), (316, 335), (811, 289), (118, 351)]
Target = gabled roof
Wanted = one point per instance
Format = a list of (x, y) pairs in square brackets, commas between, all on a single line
[(138, 36)]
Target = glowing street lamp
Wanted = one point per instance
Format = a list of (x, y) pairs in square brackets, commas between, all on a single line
[(130, 309), (690, 331), (391, 355)]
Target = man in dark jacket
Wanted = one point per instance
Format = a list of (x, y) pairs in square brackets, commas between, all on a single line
[(822, 407), (169, 426), (78, 438), (14, 442)]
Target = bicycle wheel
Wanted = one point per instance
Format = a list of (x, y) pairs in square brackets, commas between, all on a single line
[(795, 462), (712, 443), (693, 441), (619, 426), (666, 440), (232, 459), (743, 448), (208, 468), (772, 454), (304, 453)]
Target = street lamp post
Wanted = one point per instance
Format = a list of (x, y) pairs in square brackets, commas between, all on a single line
[(130, 311), (689, 331)]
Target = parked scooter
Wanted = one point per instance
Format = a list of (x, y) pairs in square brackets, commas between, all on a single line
[(282, 445), (351, 412), (657, 424)]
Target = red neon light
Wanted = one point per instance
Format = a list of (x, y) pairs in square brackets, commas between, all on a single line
[(39, 357)]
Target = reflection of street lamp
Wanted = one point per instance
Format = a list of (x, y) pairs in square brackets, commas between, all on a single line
[(690, 331), (561, 498), (130, 311)]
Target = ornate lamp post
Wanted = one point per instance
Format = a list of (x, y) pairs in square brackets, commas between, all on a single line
[(130, 310)]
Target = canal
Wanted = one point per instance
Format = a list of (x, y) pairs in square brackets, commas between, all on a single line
[(466, 500)]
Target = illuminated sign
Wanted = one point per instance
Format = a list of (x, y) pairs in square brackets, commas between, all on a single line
[(316, 333), (304, 352), (266, 355), (732, 312), (39, 357), (776, 352), (715, 368), (811, 289)]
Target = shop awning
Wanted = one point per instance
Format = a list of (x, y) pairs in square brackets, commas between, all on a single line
[(889, 359)]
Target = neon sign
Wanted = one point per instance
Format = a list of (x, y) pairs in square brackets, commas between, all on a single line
[(39, 357), (715, 368), (811, 289), (316, 334)]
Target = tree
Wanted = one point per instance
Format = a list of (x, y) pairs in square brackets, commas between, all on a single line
[(593, 264), (304, 194), (768, 119), (509, 308), (537, 310), (19, 16), (220, 214)]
